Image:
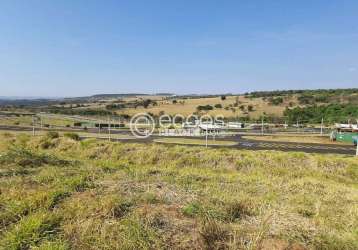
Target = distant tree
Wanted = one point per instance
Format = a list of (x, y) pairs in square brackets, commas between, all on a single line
[(250, 108), (204, 108), (72, 136), (223, 97), (174, 101), (306, 99), (276, 101), (146, 103), (218, 106), (236, 104), (52, 135)]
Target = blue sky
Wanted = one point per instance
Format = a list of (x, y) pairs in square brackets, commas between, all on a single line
[(75, 48)]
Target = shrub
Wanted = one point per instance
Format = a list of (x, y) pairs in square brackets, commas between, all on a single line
[(25, 157), (29, 231), (214, 235), (52, 135), (206, 107), (276, 101), (191, 209), (72, 136), (121, 208), (238, 209)]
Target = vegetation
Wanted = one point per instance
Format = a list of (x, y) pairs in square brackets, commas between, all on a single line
[(331, 113), (335, 92), (205, 108), (307, 106), (296, 138), (276, 100), (72, 136), (101, 195), (84, 112)]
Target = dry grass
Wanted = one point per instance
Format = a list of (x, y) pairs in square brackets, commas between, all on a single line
[(100, 195), (190, 105), (188, 141), (298, 139)]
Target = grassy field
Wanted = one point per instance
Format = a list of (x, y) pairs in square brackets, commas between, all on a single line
[(188, 106), (298, 139), (27, 121), (58, 193), (189, 141)]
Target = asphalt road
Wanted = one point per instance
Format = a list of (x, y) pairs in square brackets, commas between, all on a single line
[(266, 145), (242, 143)]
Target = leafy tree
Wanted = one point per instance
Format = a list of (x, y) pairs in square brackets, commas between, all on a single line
[(276, 101), (204, 108)]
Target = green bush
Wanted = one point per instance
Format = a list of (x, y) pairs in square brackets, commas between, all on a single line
[(72, 136), (191, 209), (52, 135), (29, 231), (26, 158), (205, 107)]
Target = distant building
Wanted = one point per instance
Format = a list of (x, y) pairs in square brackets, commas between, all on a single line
[(193, 129), (346, 127), (235, 125)]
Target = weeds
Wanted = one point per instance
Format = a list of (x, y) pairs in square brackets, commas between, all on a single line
[(24, 157), (30, 231), (135, 196), (72, 136)]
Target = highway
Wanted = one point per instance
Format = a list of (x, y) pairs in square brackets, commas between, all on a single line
[(241, 142)]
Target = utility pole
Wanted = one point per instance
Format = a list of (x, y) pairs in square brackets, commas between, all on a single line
[(322, 126), (206, 137), (262, 126), (33, 126), (297, 126), (109, 129)]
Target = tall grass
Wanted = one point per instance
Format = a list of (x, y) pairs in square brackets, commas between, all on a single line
[(101, 195)]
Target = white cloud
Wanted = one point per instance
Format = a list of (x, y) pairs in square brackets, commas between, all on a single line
[(352, 69)]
